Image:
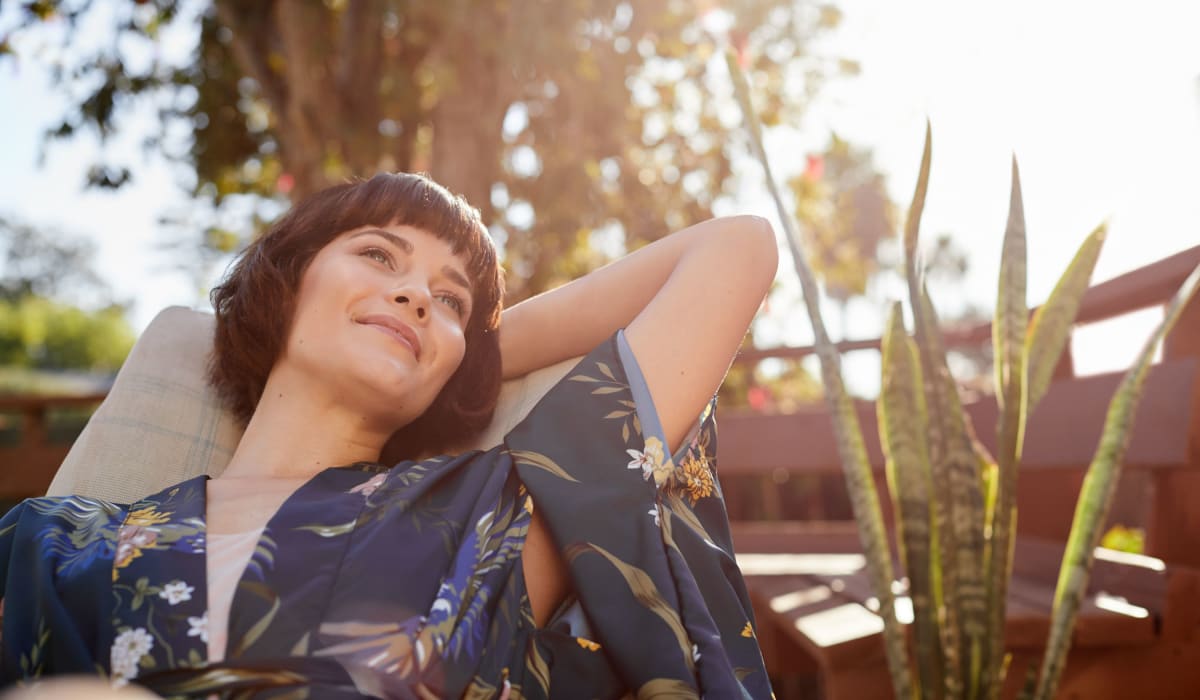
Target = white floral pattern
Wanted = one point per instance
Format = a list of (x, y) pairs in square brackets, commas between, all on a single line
[(652, 461), (127, 650), (654, 512), (176, 592), (199, 627)]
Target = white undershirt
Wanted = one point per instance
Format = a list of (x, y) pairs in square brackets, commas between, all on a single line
[(228, 556)]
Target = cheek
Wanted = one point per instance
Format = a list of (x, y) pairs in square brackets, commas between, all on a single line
[(460, 352), (454, 350)]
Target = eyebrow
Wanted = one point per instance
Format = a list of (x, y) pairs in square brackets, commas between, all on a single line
[(406, 245)]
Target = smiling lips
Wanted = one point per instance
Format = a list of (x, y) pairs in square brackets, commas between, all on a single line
[(394, 327)]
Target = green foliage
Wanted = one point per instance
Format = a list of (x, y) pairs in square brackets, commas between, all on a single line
[(41, 331), (1125, 539), (45, 263), (38, 333), (556, 119)]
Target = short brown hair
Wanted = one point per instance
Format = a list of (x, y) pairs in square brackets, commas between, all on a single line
[(255, 303)]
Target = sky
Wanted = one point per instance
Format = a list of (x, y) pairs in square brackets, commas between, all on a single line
[(1100, 102)]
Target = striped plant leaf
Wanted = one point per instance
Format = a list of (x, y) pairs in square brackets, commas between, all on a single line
[(932, 362), (958, 489), (1051, 325), (1095, 497), (995, 659), (1008, 341), (1012, 312), (902, 428), (912, 224), (860, 483)]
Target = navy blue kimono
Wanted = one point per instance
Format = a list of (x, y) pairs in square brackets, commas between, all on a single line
[(405, 581)]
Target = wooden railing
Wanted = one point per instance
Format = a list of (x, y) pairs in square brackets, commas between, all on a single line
[(27, 467), (1143, 288), (1161, 483)]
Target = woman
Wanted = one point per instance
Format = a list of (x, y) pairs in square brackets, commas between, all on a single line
[(588, 555)]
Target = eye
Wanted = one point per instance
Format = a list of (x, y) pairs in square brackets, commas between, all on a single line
[(379, 255), (453, 302)]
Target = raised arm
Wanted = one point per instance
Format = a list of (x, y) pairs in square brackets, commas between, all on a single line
[(685, 300)]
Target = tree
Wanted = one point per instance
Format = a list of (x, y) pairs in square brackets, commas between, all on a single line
[(40, 333), (845, 216), (38, 330), (46, 264), (848, 222), (556, 119)]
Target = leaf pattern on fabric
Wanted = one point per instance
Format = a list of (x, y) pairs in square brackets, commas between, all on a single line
[(541, 461), (408, 581), (644, 590)]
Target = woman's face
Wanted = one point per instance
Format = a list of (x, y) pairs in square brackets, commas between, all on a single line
[(380, 320)]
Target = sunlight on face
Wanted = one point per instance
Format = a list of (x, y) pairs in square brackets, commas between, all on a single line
[(380, 321)]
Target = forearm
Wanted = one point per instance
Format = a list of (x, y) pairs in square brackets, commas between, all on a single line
[(572, 319)]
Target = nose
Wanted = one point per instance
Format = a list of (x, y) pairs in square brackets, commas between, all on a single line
[(415, 299)]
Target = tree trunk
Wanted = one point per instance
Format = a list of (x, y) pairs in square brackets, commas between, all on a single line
[(469, 114)]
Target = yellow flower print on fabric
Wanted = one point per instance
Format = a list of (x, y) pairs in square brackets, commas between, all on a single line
[(696, 479), (587, 644), (652, 461), (147, 517), (748, 631)]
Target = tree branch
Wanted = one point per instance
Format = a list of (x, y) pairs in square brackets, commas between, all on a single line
[(250, 46), (313, 117), (358, 79)]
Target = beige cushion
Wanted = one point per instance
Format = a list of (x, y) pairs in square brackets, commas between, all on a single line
[(162, 424)]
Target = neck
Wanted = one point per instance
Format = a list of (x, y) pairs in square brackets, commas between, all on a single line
[(295, 434)]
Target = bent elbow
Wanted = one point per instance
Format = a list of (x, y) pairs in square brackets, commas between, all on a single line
[(757, 244)]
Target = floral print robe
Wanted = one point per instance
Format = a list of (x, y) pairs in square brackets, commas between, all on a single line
[(405, 582)]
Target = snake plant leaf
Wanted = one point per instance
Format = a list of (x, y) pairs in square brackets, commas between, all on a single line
[(912, 224), (1012, 312), (1008, 340), (957, 464), (994, 660), (860, 482), (902, 429), (1051, 325), (1095, 497), (932, 356)]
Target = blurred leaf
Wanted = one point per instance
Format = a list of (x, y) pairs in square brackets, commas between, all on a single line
[(106, 177), (39, 333), (842, 204), (1051, 326), (1125, 539), (1096, 495), (42, 9)]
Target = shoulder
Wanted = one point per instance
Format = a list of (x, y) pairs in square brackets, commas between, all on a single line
[(74, 516), (75, 508), (46, 530)]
